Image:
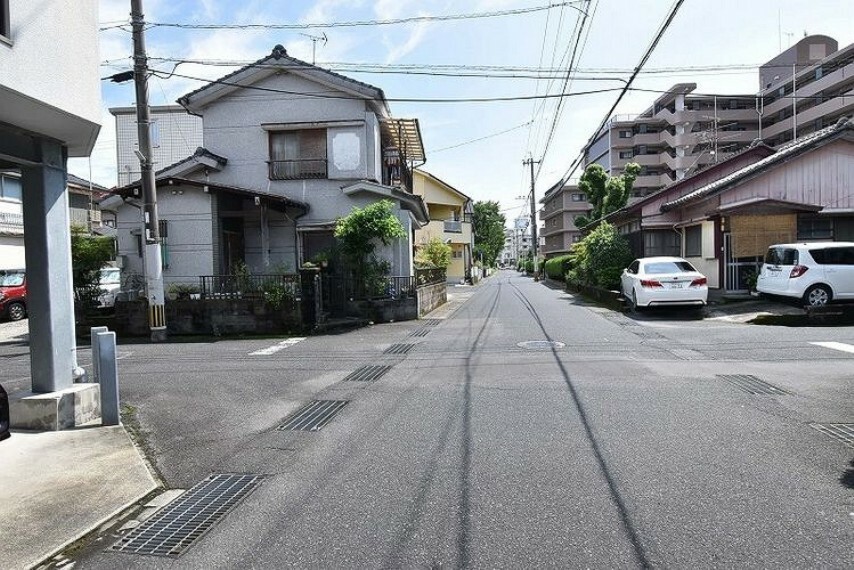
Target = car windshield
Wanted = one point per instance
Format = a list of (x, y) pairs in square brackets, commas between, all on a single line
[(662, 267), (11, 278), (110, 276)]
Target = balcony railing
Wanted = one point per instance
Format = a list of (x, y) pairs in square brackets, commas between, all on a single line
[(11, 222), (453, 226), (297, 169)]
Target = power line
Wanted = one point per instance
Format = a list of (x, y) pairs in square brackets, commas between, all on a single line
[(483, 138), (357, 23), (329, 95), (643, 60)]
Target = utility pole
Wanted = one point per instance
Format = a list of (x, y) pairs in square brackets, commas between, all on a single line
[(534, 244), (152, 255)]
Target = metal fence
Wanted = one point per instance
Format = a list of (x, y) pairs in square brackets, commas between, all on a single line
[(271, 288)]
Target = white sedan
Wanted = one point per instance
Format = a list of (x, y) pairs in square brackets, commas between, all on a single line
[(660, 281)]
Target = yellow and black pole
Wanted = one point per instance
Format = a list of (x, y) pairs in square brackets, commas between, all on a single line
[(152, 255)]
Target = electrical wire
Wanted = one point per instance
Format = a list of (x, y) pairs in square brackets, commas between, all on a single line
[(357, 23), (483, 138), (663, 28)]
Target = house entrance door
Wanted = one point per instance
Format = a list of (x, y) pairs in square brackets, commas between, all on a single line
[(738, 269), (232, 251)]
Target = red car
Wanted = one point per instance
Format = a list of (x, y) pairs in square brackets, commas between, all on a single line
[(13, 294)]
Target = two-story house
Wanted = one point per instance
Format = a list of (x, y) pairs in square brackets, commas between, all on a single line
[(48, 113), (450, 221), (289, 148)]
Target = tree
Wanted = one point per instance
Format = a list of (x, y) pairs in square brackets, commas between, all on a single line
[(435, 253), (361, 230), (488, 225), (601, 256), (88, 255), (605, 193)]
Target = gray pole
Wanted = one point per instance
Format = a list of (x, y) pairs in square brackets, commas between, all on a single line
[(534, 240), (153, 269), (794, 106)]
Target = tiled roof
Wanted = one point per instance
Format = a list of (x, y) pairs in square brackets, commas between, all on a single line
[(783, 152), (83, 183), (277, 55)]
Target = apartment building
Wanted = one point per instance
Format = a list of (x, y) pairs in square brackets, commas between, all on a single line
[(517, 243), (175, 135), (561, 205), (805, 88)]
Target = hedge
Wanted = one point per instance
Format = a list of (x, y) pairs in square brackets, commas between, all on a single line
[(557, 267)]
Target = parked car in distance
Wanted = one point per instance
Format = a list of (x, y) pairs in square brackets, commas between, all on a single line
[(110, 283), (13, 294), (817, 273), (4, 414), (663, 281)]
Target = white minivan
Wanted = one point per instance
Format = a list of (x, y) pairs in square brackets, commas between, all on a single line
[(818, 272)]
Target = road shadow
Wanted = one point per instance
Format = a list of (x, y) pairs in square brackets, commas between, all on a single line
[(847, 477)]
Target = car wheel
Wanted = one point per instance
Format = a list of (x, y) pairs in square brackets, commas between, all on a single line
[(817, 296), (17, 311), (635, 306)]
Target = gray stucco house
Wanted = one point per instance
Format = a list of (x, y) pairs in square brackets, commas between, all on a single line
[(289, 147)]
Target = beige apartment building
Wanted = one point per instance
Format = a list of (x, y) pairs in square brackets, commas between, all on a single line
[(561, 204), (683, 132)]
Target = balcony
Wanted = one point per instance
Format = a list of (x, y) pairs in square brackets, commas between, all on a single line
[(297, 169), (453, 227), (11, 223)]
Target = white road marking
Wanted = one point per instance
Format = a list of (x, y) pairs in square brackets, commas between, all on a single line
[(277, 347), (836, 346)]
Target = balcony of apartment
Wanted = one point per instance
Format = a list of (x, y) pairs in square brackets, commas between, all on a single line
[(808, 88), (11, 223), (690, 116), (648, 159), (828, 111), (653, 181)]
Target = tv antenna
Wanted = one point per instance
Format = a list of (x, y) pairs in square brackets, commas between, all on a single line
[(314, 40)]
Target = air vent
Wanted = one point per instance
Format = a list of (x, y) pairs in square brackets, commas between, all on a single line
[(367, 374), (314, 416), (182, 522)]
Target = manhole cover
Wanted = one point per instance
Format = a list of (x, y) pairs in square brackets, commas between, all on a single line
[(540, 344)]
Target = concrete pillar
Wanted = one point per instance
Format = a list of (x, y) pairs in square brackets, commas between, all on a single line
[(50, 301), (265, 238)]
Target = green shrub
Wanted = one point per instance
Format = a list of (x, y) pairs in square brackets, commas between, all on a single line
[(607, 253), (557, 267), (529, 266)]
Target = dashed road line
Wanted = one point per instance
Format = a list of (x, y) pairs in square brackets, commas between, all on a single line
[(277, 347), (841, 346)]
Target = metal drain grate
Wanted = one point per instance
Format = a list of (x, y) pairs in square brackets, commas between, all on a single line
[(432, 322), (752, 384), (401, 348), (181, 523), (314, 416), (367, 373), (839, 432), (421, 332)]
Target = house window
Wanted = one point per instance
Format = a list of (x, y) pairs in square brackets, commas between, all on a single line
[(5, 28), (814, 228), (625, 134), (457, 254), (298, 154), (10, 189), (626, 154), (694, 241), (579, 197), (661, 242)]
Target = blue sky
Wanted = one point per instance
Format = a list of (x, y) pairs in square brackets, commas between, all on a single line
[(707, 32)]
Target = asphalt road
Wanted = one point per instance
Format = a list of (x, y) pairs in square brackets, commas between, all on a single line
[(620, 447)]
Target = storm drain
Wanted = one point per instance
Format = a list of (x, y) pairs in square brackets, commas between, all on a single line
[(367, 373), (400, 348), (314, 416), (421, 332), (179, 524), (432, 322), (752, 384), (840, 432)]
